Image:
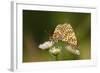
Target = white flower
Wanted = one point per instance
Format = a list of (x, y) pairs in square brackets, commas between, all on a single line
[(72, 50), (55, 51), (46, 45), (77, 52)]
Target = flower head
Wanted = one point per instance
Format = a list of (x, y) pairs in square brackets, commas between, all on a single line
[(55, 51), (72, 50), (46, 45)]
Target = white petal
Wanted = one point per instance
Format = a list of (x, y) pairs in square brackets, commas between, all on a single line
[(74, 51), (46, 45)]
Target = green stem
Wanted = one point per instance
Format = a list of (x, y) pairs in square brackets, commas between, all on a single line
[(56, 57)]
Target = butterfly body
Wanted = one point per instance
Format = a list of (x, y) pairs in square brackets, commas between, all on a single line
[(65, 33)]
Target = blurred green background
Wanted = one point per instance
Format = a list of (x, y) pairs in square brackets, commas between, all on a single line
[(38, 26)]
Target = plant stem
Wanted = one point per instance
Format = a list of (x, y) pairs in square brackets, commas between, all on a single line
[(56, 57)]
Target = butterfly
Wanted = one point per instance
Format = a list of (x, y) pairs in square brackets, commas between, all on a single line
[(65, 32)]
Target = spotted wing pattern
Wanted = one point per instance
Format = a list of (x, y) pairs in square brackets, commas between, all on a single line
[(65, 33)]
